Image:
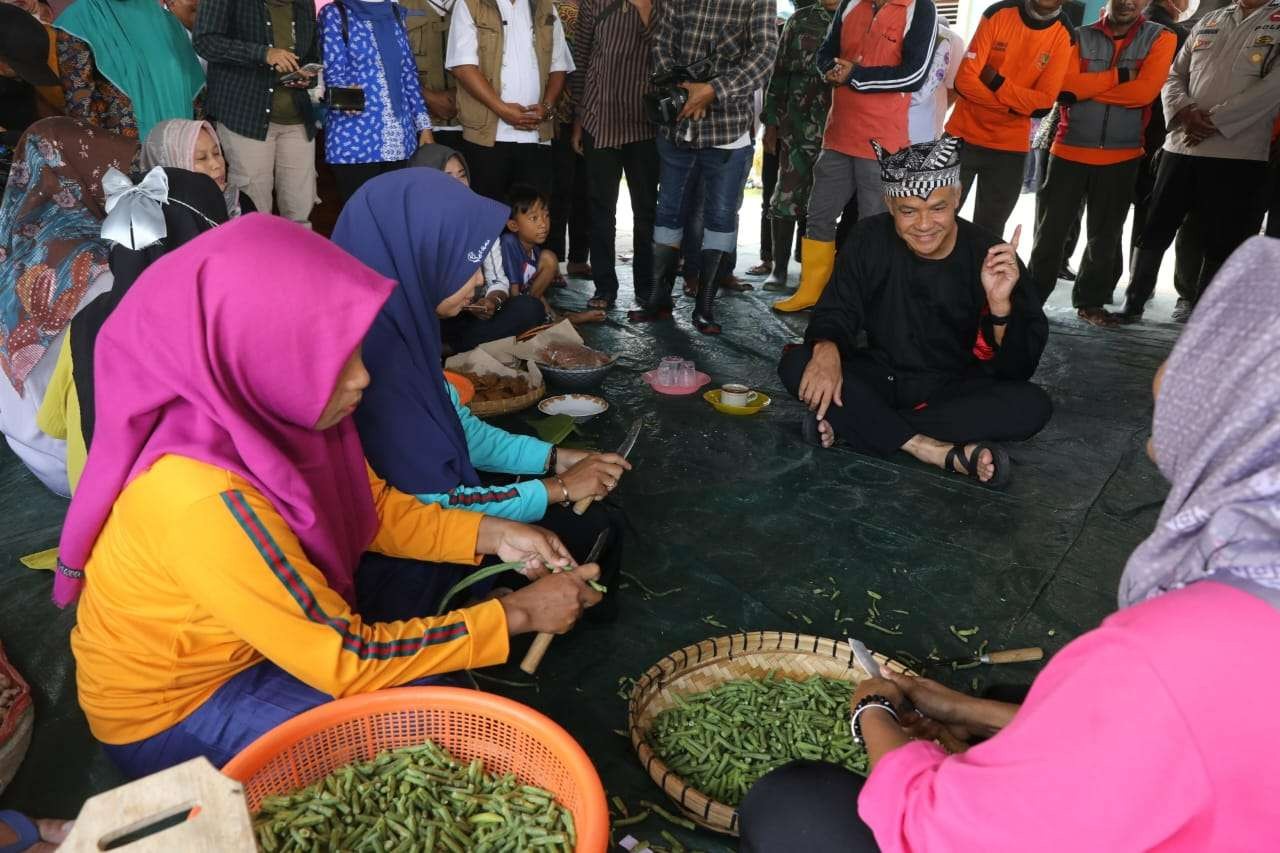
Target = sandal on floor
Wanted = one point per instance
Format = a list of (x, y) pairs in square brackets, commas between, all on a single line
[(736, 285), (762, 268), (999, 458), (28, 834), (600, 303)]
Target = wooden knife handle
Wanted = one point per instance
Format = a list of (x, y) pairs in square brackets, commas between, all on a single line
[(1016, 655), (579, 507), (533, 657)]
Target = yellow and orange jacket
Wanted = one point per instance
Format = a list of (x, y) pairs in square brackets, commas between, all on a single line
[(1132, 91), (195, 578), (1030, 59)]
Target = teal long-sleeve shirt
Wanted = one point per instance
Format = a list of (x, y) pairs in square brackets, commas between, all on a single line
[(499, 452)]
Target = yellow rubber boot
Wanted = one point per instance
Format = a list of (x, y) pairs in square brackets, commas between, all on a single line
[(819, 259)]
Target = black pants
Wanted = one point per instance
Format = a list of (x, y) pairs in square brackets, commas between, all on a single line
[(876, 419), (495, 168), (769, 177), (352, 176), (1273, 211), (518, 314), (1226, 196), (450, 138), (605, 168), (1188, 247), (1107, 191), (569, 201), (999, 177), (808, 806)]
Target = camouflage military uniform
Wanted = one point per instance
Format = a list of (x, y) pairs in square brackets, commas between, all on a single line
[(797, 103)]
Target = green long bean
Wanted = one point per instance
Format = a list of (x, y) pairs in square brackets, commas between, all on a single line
[(722, 740), (415, 798)]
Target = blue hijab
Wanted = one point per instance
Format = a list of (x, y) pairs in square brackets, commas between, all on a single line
[(384, 17), (430, 233)]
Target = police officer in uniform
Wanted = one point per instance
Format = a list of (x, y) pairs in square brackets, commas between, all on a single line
[(1221, 102)]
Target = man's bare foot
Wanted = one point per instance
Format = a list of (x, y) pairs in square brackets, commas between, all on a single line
[(579, 318), (934, 452), (1097, 316)]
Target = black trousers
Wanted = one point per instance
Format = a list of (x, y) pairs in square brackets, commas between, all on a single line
[(451, 138), (467, 331), (352, 176), (1107, 192), (769, 177), (1188, 247), (605, 168), (875, 417), (808, 806), (1273, 211), (999, 178), (569, 201), (495, 168), (1224, 194)]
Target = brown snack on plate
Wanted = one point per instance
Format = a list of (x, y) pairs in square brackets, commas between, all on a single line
[(490, 387), (572, 356)]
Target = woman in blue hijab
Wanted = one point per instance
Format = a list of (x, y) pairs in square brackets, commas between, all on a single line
[(430, 233)]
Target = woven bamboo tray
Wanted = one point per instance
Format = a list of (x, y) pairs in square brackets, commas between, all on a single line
[(711, 662), (493, 408)]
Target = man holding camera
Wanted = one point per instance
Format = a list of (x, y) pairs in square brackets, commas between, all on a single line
[(264, 119), (709, 59)]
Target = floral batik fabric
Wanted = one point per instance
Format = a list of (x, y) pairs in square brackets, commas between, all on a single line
[(50, 245)]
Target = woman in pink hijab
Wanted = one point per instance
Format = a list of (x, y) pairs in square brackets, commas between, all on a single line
[(1156, 731), (226, 502)]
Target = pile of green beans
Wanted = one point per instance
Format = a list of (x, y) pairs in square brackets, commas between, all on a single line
[(722, 740), (415, 799)]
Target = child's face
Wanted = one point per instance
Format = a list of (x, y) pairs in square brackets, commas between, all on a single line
[(533, 226)]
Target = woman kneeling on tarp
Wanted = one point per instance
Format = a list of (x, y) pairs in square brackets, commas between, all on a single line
[(409, 226), (1155, 731), (226, 502)]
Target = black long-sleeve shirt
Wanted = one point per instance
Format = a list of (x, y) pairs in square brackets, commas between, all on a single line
[(926, 321)]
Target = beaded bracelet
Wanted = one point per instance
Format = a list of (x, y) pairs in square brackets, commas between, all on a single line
[(875, 700)]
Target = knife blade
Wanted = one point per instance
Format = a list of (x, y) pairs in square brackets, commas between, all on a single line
[(1033, 653), (865, 659), (624, 450)]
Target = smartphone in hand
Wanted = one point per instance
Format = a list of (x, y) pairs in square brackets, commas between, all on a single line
[(306, 72)]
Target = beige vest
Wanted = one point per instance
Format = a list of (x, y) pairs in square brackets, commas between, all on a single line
[(479, 124), (428, 37)]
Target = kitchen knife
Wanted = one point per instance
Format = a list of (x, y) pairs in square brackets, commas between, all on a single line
[(624, 450), (538, 647)]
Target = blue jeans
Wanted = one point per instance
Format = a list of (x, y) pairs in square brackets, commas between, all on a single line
[(720, 173)]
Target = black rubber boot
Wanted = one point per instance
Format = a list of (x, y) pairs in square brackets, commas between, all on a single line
[(783, 229), (1142, 284), (703, 318), (656, 303)]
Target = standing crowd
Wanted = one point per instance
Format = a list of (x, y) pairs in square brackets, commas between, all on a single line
[(260, 523)]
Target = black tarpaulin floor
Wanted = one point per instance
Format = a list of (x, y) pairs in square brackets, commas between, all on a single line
[(748, 522)]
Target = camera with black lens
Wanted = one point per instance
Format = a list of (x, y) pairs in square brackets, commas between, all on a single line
[(665, 104)]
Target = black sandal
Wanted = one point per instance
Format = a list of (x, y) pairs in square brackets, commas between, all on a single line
[(600, 303), (810, 434), (999, 459)]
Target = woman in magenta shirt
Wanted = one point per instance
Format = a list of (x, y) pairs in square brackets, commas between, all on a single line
[(1155, 731)]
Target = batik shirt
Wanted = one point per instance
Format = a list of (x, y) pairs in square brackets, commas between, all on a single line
[(374, 135), (90, 96)]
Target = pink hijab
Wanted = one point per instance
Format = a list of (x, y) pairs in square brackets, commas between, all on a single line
[(226, 351)]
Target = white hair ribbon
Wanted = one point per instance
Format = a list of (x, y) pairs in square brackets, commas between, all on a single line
[(134, 215)]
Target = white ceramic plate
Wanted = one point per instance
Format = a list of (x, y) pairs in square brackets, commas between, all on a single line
[(581, 407)]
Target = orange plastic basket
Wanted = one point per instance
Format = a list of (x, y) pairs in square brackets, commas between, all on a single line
[(507, 736)]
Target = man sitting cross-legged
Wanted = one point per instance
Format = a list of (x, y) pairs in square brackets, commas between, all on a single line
[(953, 331)]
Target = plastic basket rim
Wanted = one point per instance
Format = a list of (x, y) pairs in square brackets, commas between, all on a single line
[(578, 764)]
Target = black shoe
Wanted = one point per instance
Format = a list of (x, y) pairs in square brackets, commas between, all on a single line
[(703, 318), (1144, 268), (783, 229), (1182, 311), (1066, 273)]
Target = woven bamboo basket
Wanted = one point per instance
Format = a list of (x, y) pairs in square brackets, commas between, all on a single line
[(508, 405), (708, 664), (17, 722)]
